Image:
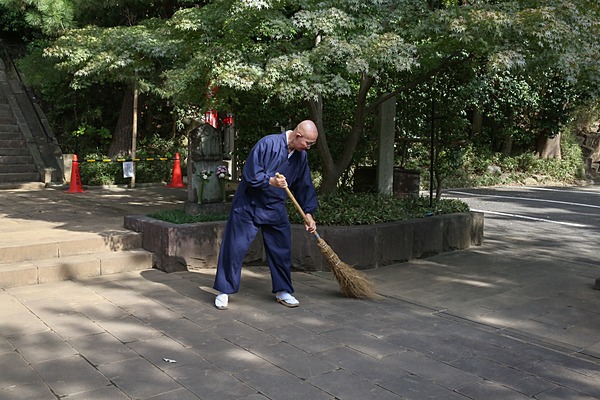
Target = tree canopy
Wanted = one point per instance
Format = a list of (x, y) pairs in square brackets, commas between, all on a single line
[(362, 51)]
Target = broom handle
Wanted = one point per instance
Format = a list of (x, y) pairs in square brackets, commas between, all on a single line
[(296, 204)]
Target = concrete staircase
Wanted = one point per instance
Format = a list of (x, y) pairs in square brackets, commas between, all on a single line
[(45, 235), (51, 260), (16, 162), (29, 152)]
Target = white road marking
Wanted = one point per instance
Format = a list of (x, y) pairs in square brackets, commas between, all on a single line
[(532, 218), (566, 190), (524, 198)]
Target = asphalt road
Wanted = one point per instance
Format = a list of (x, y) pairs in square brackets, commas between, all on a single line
[(546, 218)]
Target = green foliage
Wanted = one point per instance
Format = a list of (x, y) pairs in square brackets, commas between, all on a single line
[(523, 64), (53, 17), (119, 54), (81, 119), (257, 116), (158, 171), (475, 170), (86, 132), (12, 21), (370, 208), (47, 16), (180, 217), (111, 173), (99, 173), (346, 210)]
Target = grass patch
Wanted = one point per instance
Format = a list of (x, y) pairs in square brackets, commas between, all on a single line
[(346, 209), (180, 217)]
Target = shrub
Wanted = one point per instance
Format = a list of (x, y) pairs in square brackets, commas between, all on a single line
[(372, 208), (99, 173), (180, 217), (347, 209), (157, 171), (473, 171)]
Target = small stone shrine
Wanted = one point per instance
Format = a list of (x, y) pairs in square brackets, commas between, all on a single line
[(206, 190)]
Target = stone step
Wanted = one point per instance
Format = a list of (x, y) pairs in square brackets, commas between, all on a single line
[(17, 168), (9, 128), (13, 160), (57, 248), (14, 135), (34, 272), (12, 144), (14, 151), (22, 185), (7, 119), (14, 177)]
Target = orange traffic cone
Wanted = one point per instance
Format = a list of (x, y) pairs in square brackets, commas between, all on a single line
[(176, 179), (75, 184)]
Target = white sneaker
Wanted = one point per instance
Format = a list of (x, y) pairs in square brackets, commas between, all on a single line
[(221, 301), (286, 299)]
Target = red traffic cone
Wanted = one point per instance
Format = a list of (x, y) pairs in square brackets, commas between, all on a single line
[(75, 184), (176, 179)]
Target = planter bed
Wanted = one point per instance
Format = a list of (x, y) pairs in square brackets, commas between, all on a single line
[(179, 247)]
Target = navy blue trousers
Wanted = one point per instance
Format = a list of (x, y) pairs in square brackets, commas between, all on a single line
[(240, 232)]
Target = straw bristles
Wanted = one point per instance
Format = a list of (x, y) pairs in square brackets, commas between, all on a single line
[(353, 283)]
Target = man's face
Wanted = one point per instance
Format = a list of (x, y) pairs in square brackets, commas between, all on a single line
[(305, 140)]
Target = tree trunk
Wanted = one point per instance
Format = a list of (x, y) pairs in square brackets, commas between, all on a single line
[(120, 144), (438, 186), (549, 147), (332, 170), (507, 146), (315, 109), (477, 124)]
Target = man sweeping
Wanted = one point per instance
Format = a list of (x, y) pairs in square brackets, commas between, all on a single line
[(274, 163)]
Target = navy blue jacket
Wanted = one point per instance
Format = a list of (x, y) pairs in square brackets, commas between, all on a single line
[(267, 203)]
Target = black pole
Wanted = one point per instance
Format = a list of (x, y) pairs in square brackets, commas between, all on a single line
[(432, 151)]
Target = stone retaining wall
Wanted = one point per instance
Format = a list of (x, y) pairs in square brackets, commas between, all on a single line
[(189, 246)]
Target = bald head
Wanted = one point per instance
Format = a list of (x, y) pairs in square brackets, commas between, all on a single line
[(303, 136), (308, 129)]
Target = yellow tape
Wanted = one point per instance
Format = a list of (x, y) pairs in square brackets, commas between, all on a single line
[(108, 160)]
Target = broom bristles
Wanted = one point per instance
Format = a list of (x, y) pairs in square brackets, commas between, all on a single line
[(353, 283)]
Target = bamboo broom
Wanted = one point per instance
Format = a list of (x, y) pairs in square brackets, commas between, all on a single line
[(353, 283)]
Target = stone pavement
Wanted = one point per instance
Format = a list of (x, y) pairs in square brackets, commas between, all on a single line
[(491, 322)]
